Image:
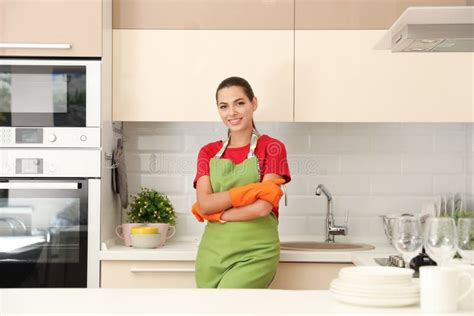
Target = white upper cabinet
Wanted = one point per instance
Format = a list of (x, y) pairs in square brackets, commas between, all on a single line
[(172, 75), (51, 28), (170, 56), (307, 60), (340, 77)]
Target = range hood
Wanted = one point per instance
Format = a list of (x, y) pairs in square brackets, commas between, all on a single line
[(431, 29)]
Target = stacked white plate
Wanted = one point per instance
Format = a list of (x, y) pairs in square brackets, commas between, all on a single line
[(376, 286)]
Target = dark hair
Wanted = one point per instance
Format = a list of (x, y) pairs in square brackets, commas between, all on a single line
[(239, 82)]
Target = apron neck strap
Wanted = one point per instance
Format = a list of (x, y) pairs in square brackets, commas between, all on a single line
[(253, 144)]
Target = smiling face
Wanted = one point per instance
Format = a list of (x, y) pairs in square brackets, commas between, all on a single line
[(235, 108)]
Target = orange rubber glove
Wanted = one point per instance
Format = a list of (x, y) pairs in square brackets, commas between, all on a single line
[(270, 191), (267, 190), (215, 217)]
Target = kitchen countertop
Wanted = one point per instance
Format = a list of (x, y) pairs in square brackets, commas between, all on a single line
[(170, 301), (186, 251)]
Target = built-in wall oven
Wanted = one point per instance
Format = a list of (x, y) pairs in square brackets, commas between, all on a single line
[(49, 217), (50, 161)]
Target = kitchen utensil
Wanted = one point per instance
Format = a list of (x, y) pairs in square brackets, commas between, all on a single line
[(437, 204), (121, 173), (443, 206), (406, 288), (468, 302), (396, 261), (375, 275), (422, 259), (449, 206), (376, 302), (388, 221), (382, 261), (439, 288), (375, 286), (458, 202), (440, 242), (428, 209), (407, 237), (465, 238)]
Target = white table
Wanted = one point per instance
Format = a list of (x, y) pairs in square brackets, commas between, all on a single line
[(187, 301)]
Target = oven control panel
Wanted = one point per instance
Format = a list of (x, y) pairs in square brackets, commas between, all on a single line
[(50, 137), (33, 162)]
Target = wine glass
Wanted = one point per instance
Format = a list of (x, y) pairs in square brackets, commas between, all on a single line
[(440, 240), (407, 237), (465, 240)]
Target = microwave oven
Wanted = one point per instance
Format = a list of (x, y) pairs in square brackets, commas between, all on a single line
[(50, 102)]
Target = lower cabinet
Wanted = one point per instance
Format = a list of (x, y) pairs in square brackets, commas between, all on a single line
[(180, 274), (147, 274), (306, 275)]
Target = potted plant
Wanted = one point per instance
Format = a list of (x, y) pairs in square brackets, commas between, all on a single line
[(153, 208)]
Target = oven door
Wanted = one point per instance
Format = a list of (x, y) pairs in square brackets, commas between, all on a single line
[(49, 93), (43, 232)]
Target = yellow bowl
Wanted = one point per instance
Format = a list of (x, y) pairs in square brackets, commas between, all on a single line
[(144, 230)]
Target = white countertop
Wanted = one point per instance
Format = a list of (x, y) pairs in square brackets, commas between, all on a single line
[(187, 250), (190, 301)]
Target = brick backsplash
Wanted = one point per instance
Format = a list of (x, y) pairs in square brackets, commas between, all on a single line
[(370, 168)]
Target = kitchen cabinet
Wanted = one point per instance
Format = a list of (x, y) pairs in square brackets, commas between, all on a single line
[(74, 27), (180, 274), (339, 77), (172, 75), (357, 14), (147, 274), (204, 14), (307, 60), (306, 275)]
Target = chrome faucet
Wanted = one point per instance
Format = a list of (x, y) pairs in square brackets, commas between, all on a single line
[(331, 228)]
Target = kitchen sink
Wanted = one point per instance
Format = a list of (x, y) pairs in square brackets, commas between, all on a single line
[(323, 246)]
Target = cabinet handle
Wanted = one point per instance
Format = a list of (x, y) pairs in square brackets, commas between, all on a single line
[(162, 270), (40, 185), (36, 45)]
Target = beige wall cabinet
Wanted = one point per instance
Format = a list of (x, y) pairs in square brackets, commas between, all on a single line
[(180, 274), (357, 14), (204, 14), (339, 77), (172, 75), (308, 61), (28, 24)]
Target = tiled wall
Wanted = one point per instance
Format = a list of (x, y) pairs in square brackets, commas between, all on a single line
[(370, 168)]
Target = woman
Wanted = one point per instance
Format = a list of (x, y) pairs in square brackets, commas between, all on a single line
[(238, 192)]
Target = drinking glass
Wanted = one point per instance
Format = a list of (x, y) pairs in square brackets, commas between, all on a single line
[(407, 237), (465, 240), (440, 240)]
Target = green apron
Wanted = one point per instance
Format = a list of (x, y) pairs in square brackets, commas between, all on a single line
[(237, 254)]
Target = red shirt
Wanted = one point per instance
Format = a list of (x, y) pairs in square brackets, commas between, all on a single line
[(271, 154)]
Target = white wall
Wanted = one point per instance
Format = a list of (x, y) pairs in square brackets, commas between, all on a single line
[(370, 169)]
